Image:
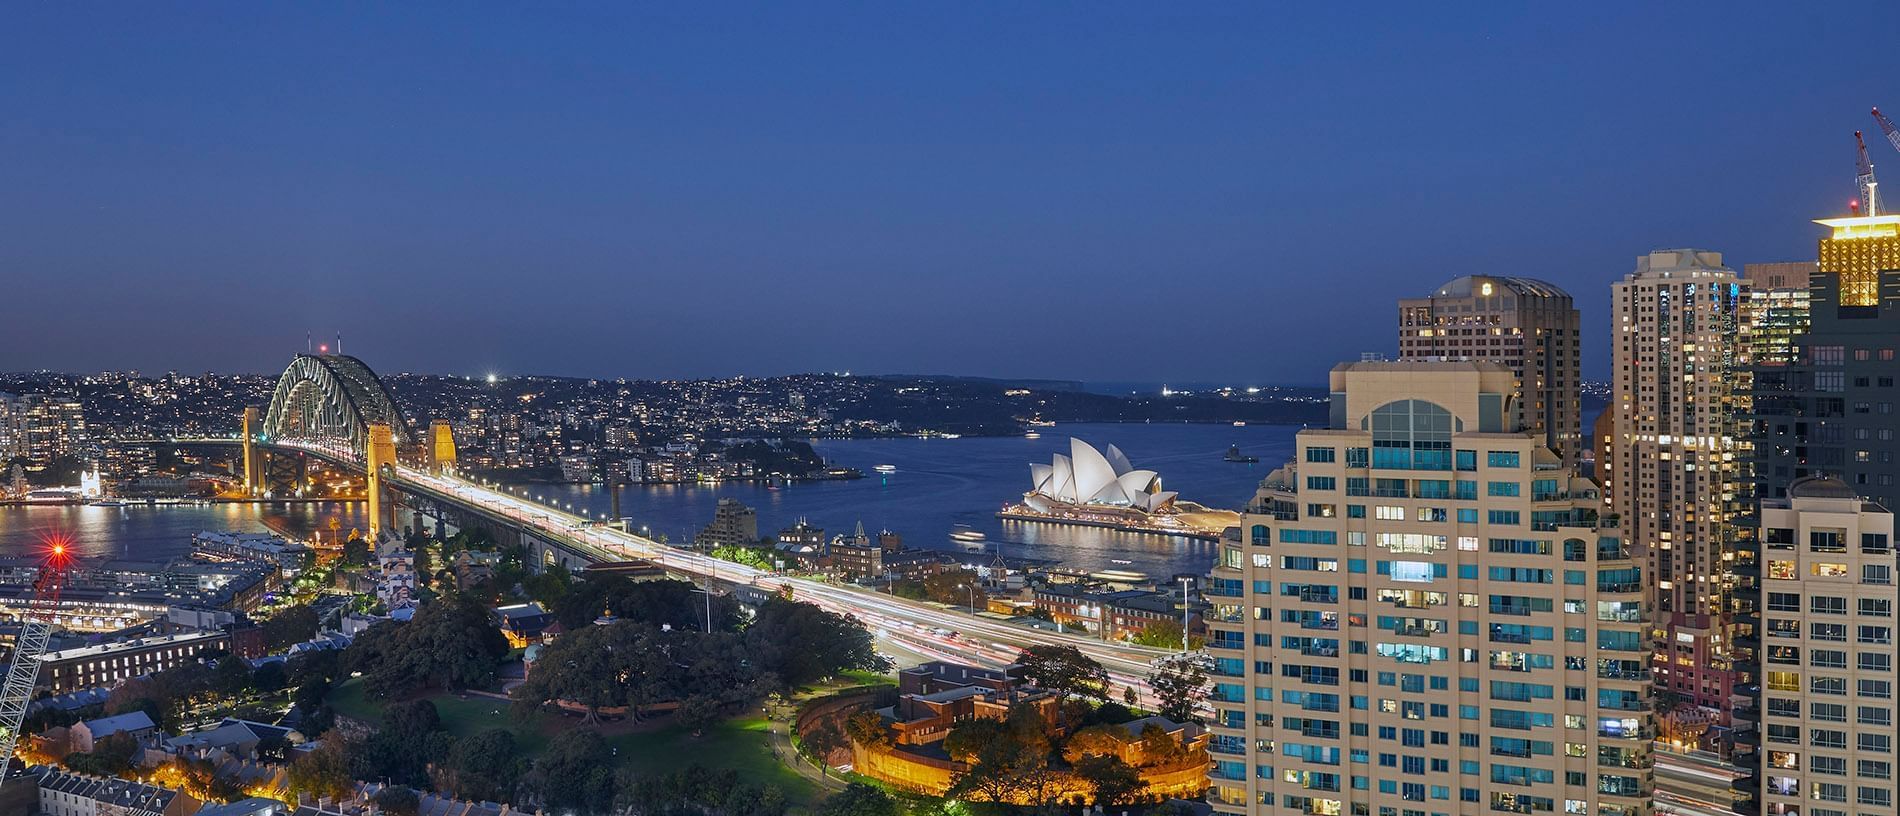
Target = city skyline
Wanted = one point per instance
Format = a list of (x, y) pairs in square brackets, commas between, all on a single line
[(653, 212)]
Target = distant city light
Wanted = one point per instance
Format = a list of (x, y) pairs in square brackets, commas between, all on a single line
[(491, 379)]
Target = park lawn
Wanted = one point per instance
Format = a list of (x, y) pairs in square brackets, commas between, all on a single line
[(460, 717), (741, 744)]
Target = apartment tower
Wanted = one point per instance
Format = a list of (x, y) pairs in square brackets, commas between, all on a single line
[(1828, 684), (1528, 326), (1422, 614), (1679, 471)]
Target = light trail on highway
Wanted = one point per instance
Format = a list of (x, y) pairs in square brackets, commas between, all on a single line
[(924, 629)]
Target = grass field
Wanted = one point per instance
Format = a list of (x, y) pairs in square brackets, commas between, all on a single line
[(741, 744)]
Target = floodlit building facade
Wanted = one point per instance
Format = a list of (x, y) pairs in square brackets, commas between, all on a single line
[(1828, 655), (1422, 614), (1678, 463), (1529, 326)]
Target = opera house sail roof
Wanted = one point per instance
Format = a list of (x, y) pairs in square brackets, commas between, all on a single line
[(1089, 477)]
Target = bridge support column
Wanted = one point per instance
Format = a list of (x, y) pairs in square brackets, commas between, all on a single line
[(253, 464), (441, 446), (379, 451)]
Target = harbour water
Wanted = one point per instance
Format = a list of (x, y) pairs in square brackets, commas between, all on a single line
[(936, 485), (941, 483), (141, 532)]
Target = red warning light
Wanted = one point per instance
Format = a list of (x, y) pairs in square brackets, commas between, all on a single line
[(324, 348)]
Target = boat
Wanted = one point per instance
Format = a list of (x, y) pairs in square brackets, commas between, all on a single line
[(1122, 561), (885, 468), (107, 503), (964, 532), (1240, 423), (1032, 435), (1234, 455)]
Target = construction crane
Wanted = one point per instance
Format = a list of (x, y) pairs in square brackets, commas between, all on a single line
[(1869, 188), (36, 627), (1886, 126)]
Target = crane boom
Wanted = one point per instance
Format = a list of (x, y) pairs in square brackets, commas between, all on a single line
[(1886, 126), (36, 628), (1869, 188)]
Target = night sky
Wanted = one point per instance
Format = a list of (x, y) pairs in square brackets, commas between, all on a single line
[(1094, 191)]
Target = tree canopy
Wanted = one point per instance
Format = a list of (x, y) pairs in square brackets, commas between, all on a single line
[(450, 644), (1064, 669), (798, 643)]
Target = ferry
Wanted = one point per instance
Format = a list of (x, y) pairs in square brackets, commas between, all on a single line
[(108, 503), (963, 532), (1234, 455), (1032, 435), (885, 468), (1240, 423)]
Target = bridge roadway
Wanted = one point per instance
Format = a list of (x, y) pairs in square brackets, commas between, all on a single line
[(914, 624)]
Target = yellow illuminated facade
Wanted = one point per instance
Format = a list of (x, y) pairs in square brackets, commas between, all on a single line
[(1858, 250)]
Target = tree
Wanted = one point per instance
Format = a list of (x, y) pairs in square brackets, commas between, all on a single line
[(676, 604), (698, 712), (1064, 669), (867, 728), (1159, 746), (451, 644), (323, 771), (232, 676), (1008, 761), (1113, 781), (356, 553), (950, 587), (1164, 634), (109, 757), (401, 749), (398, 801), (1095, 740), (823, 739), (269, 676), (572, 774), (290, 626), (1180, 684), (484, 767), (859, 799), (799, 643)]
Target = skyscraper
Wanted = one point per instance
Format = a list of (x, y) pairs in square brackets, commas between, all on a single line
[(1828, 684), (1829, 410), (1422, 614), (1680, 387), (1529, 326)]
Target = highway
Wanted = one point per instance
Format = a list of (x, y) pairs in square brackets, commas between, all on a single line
[(1694, 784), (916, 627)]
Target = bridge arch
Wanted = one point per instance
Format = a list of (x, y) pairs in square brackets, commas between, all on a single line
[(332, 398)]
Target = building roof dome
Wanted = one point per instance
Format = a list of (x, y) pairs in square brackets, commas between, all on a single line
[(1474, 285), (1820, 487)]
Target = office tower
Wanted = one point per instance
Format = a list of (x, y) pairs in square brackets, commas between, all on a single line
[(1776, 312), (1680, 389), (1827, 695), (1422, 614), (1528, 326), (1830, 409)]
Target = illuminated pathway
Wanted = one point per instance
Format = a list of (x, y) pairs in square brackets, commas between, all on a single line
[(918, 627)]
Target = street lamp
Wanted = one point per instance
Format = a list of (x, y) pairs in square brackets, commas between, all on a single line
[(972, 589)]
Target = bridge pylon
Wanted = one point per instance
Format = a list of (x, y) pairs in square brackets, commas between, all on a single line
[(441, 446), (379, 450), (253, 465)]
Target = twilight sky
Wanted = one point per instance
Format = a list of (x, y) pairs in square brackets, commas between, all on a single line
[(1093, 190)]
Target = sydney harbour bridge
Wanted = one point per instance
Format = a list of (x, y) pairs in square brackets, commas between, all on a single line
[(334, 408)]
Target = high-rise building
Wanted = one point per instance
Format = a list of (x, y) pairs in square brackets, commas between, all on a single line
[(41, 428), (1529, 326), (1829, 409), (1678, 471), (733, 525), (1828, 659), (1422, 613), (1776, 313)]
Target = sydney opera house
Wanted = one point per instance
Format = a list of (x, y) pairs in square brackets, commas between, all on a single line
[(1089, 478), (1091, 488)]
